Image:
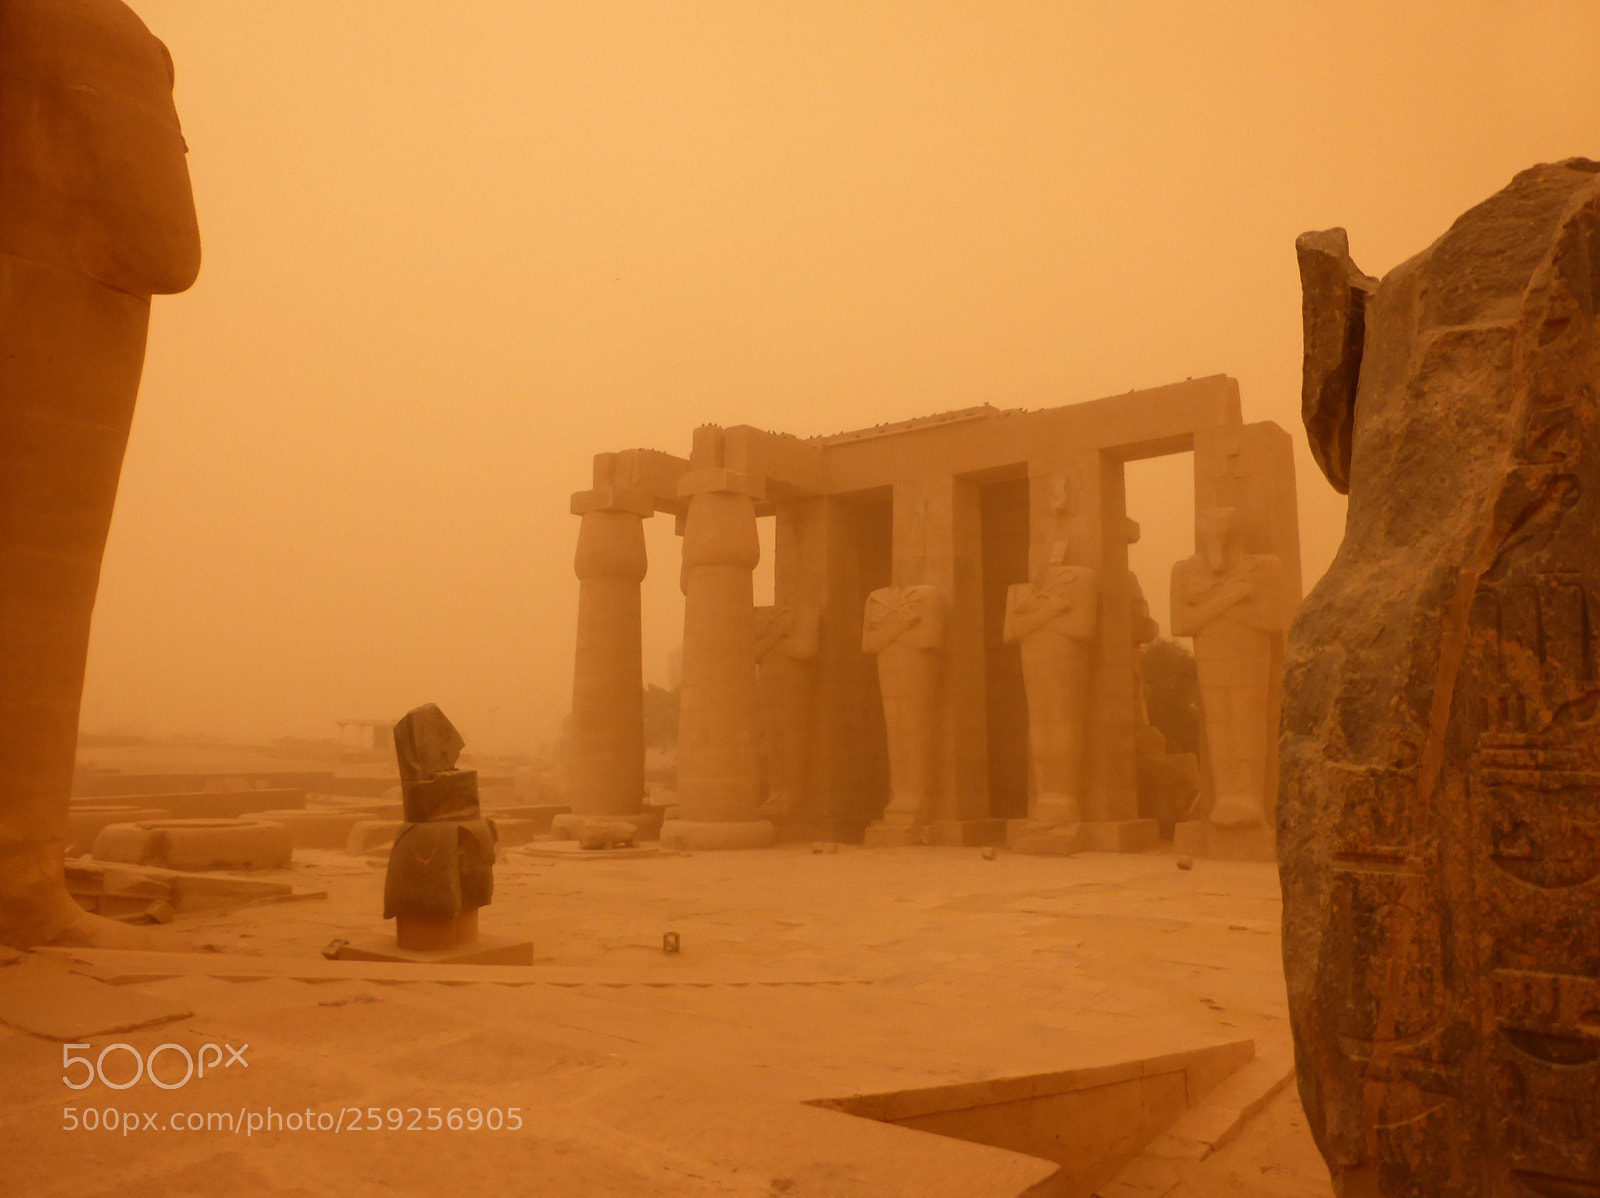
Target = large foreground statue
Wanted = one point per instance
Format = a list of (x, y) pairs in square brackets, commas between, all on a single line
[(1440, 808), (95, 217)]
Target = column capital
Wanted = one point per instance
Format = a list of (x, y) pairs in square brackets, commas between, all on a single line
[(613, 499)]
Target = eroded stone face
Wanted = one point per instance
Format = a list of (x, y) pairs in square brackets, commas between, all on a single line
[(1439, 819)]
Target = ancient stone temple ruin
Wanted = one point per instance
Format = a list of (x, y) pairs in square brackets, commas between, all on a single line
[(952, 654)]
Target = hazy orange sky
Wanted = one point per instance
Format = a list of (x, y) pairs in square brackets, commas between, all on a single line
[(454, 249)]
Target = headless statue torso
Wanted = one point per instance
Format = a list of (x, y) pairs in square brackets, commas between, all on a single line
[(904, 627), (95, 217), (787, 642), (1234, 606), (1053, 620)]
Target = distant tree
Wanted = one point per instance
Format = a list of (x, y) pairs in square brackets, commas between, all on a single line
[(1172, 693), (660, 716)]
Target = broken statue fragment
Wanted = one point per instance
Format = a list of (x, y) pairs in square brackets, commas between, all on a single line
[(1439, 819)]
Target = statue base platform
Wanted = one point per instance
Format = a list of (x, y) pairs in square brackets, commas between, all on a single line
[(485, 950), (967, 832), (694, 834), (648, 821), (1202, 838), (880, 835), (1099, 836), (1046, 840)]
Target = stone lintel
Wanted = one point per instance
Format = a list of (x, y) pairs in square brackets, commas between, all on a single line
[(613, 499), (719, 478)]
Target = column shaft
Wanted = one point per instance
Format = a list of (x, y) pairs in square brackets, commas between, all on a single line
[(607, 741), (719, 770)]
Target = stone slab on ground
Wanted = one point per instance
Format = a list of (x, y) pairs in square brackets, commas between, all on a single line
[(186, 891), (41, 997), (133, 966), (485, 950), (571, 850), (209, 804), (197, 844)]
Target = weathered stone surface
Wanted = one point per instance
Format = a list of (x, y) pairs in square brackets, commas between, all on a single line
[(426, 743), (441, 865), (1439, 823), (606, 834), (1334, 314), (197, 844), (95, 217)]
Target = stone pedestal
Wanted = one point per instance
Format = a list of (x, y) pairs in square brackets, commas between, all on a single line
[(722, 834), (882, 835), (719, 754), (1124, 835), (966, 832), (485, 950), (647, 824), (1047, 840), (1099, 836), (1202, 838), (606, 754)]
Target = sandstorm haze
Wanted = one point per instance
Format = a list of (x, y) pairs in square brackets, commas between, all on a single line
[(453, 250)]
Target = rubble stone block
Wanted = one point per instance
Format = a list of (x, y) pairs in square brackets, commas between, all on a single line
[(197, 844)]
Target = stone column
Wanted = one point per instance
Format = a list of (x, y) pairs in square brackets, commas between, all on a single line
[(719, 747), (606, 762)]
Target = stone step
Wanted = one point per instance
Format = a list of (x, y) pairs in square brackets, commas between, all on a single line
[(1206, 1126)]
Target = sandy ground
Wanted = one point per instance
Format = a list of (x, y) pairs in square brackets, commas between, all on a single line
[(802, 976)]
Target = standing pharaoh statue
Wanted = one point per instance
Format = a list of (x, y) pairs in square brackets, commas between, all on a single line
[(96, 216), (904, 628), (1235, 606), (786, 653), (1053, 620)]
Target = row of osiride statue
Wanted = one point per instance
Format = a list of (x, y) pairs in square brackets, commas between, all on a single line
[(1236, 607)]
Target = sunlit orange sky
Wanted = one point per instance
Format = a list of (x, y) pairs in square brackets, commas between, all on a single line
[(452, 249)]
